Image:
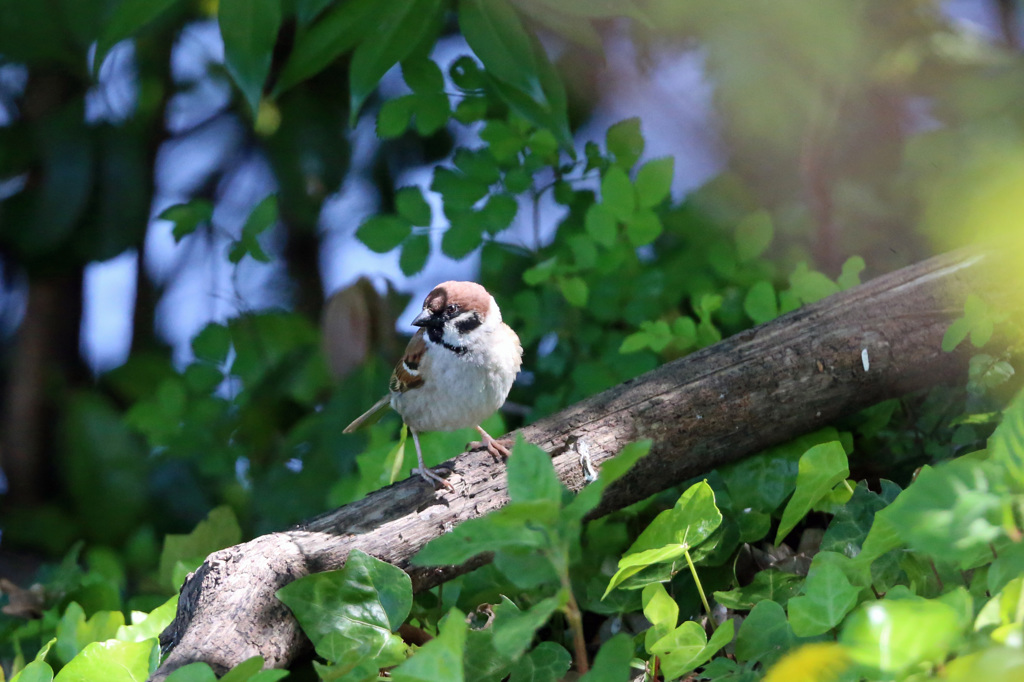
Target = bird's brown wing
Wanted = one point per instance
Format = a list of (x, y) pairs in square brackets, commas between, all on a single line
[(407, 374)]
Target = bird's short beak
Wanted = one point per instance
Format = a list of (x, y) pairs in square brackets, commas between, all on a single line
[(423, 319)]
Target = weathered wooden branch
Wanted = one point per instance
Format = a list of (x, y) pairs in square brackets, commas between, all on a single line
[(731, 400)]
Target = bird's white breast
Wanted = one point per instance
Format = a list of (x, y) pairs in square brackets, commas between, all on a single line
[(460, 391)]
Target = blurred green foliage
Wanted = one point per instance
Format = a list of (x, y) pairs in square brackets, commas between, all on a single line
[(886, 547)]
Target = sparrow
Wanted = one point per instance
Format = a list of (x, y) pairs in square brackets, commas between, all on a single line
[(456, 371)]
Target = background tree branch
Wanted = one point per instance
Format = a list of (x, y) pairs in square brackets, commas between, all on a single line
[(728, 401)]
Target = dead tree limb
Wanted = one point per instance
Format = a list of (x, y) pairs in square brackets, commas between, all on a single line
[(731, 400)]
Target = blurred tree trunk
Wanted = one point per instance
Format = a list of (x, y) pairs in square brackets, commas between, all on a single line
[(45, 360)]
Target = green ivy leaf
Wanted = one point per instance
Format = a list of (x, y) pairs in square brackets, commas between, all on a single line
[(672, 532), (193, 672), (828, 597), (575, 290), (600, 224), (612, 661), (892, 636), (955, 334), (753, 235), (218, 530), (617, 193), (249, 30), (75, 632), (625, 142), (850, 275), (339, 30), (401, 26), (654, 181), (760, 303), (514, 630), (188, 217), (768, 584), (809, 285), (820, 469), (1006, 445), (441, 657), (661, 610), (415, 252), (688, 647), (548, 662), (382, 233), (111, 661), (350, 614), (765, 634)]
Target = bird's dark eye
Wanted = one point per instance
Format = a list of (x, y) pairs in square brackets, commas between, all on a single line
[(452, 309)]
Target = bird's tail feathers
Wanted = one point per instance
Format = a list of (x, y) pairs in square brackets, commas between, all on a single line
[(371, 415)]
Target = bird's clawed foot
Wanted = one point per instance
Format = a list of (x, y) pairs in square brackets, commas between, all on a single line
[(436, 482), (497, 449)]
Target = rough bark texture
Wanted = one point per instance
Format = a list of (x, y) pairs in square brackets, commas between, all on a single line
[(726, 402)]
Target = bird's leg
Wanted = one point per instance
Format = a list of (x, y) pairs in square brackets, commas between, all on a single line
[(497, 449), (425, 473)]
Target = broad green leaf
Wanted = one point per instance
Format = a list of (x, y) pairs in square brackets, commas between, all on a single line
[(441, 657), (514, 629), (394, 117), (149, 625), (382, 233), (503, 141), (518, 525), (350, 614), (459, 190), (891, 636), (423, 75), (410, 204), (810, 285), (955, 334), (1006, 444), (251, 670), (499, 212), (37, 670), (612, 661), (672, 532), (531, 476), (497, 37), (617, 193), (820, 469), (828, 597), (415, 252), (110, 661), (432, 112), (760, 303), (850, 275), (575, 290), (187, 217), (661, 610), (460, 240), (765, 634), (654, 181), (339, 30), (219, 530), (75, 632), (212, 343), (850, 525), (127, 18), (643, 227), (400, 27), (548, 662), (261, 218), (768, 584), (601, 224), (953, 511), (478, 164), (249, 30), (625, 142), (679, 658), (753, 235)]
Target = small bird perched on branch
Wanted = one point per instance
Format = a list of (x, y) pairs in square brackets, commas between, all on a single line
[(457, 369)]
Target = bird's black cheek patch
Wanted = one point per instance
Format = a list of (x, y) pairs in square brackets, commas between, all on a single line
[(469, 323)]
